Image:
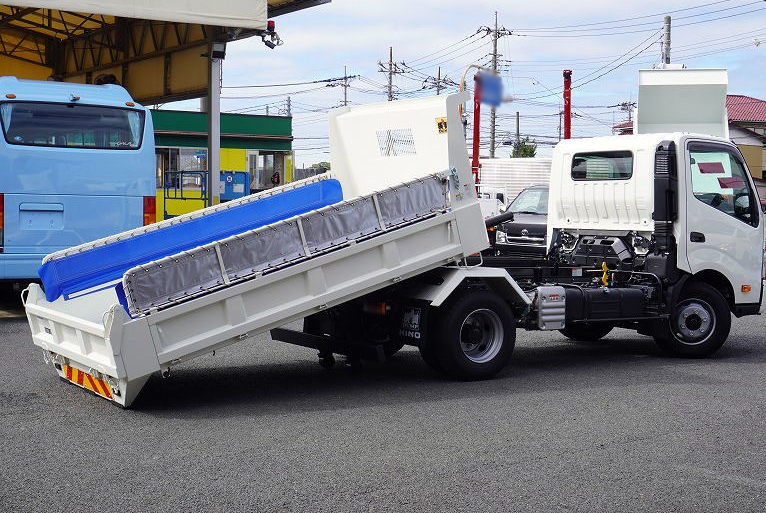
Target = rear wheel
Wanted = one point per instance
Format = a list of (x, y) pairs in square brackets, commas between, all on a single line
[(587, 331), (473, 337), (699, 324)]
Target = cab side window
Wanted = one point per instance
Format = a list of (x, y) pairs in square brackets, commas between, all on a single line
[(719, 179)]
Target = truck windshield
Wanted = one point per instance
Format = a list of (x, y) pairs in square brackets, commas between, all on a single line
[(530, 201), (71, 126)]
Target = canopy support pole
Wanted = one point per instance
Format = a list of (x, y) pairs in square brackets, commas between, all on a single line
[(214, 133)]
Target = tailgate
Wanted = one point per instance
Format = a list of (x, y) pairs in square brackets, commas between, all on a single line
[(92, 343), (59, 329)]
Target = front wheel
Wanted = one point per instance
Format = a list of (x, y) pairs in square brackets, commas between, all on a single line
[(698, 326), (474, 336)]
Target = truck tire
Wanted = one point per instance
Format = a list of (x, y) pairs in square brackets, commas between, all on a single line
[(698, 325), (587, 331), (474, 336)]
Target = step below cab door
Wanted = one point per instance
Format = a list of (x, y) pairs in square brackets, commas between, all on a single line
[(724, 231)]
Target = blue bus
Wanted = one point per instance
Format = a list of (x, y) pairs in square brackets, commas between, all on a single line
[(77, 163)]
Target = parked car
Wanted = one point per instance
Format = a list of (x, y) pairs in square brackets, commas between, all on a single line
[(524, 236)]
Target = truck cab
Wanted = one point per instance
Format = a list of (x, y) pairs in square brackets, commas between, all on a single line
[(674, 203), (678, 209)]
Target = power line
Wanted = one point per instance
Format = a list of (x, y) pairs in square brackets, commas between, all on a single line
[(272, 95), (520, 34), (445, 48), (553, 93), (625, 19), (479, 43), (320, 81), (631, 25), (720, 17)]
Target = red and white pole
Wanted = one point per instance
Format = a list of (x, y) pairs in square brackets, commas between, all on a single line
[(476, 129), (567, 103)]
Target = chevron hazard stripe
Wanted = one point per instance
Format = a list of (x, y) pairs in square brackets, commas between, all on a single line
[(85, 380)]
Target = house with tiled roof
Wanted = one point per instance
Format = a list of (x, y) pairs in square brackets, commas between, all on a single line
[(747, 129)]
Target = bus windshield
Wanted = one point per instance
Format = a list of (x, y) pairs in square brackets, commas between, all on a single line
[(70, 125)]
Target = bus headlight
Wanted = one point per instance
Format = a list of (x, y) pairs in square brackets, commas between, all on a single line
[(501, 237)]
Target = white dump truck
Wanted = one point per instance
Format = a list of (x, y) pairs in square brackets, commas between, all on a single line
[(657, 232)]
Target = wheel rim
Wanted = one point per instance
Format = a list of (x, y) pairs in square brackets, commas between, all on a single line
[(481, 335), (695, 322)]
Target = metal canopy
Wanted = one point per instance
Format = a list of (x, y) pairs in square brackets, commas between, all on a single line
[(237, 13), (157, 50)]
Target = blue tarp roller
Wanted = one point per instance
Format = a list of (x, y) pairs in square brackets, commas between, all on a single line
[(103, 264)]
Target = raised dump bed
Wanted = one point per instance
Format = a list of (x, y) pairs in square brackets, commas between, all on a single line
[(409, 206)]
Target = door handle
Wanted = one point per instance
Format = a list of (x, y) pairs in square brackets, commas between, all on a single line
[(696, 237)]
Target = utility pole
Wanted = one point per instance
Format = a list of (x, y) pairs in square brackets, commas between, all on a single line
[(666, 41), (390, 73), (267, 110), (628, 107), (289, 107), (391, 68), (493, 111), (437, 82), (345, 86), (497, 33), (518, 132)]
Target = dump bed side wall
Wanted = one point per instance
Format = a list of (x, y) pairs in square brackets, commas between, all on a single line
[(251, 307)]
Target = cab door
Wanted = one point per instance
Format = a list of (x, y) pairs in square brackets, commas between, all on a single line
[(724, 231)]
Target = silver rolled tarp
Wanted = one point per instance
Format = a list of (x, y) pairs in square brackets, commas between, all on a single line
[(163, 283)]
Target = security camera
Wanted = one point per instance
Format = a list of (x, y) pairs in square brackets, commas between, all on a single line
[(268, 43)]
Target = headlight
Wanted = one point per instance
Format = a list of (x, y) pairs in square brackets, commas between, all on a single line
[(640, 244), (568, 241), (501, 237)]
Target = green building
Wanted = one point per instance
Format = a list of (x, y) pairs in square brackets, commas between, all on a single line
[(261, 145)]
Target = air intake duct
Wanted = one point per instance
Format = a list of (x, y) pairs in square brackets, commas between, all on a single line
[(665, 196)]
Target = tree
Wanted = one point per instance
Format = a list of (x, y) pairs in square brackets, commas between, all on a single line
[(524, 148), (324, 166)]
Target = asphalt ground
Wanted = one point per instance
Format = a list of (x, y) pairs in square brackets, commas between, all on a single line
[(609, 426)]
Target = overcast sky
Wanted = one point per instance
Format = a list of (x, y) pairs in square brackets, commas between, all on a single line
[(603, 42)]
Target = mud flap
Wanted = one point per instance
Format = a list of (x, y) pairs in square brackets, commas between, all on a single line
[(413, 325)]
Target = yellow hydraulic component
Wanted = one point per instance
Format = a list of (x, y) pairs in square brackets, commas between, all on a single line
[(605, 276)]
